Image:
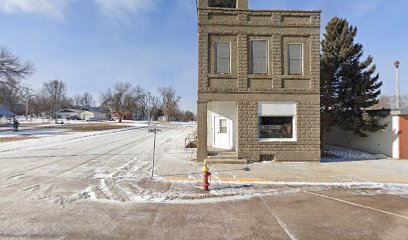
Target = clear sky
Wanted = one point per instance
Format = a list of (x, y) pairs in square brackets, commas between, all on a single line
[(91, 44)]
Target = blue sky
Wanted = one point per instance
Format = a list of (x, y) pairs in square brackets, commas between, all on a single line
[(91, 44)]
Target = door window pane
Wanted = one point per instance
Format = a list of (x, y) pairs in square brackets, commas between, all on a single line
[(259, 56), (275, 127), (223, 57), (223, 126), (295, 59)]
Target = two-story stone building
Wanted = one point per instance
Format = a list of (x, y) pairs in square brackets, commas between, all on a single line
[(258, 83)]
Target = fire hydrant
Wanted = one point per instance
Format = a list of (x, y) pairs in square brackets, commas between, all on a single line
[(206, 174)]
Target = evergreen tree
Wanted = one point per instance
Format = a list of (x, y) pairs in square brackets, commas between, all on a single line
[(348, 85)]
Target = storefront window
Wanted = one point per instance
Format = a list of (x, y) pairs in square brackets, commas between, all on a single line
[(275, 127)]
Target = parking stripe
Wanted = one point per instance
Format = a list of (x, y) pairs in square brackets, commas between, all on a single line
[(358, 205), (281, 223)]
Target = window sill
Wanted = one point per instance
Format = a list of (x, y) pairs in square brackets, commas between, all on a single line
[(267, 140), (221, 75), (259, 76), (296, 77)]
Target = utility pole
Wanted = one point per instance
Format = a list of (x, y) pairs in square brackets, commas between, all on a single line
[(397, 97), (27, 101), (26, 95), (148, 110)]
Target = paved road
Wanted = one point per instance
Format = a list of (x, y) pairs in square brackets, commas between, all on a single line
[(98, 188)]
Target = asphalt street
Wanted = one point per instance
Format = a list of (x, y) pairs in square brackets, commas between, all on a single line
[(99, 188)]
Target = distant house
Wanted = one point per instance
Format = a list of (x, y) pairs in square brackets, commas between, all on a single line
[(162, 119), (5, 114), (82, 114), (98, 112), (18, 109), (126, 116), (391, 142)]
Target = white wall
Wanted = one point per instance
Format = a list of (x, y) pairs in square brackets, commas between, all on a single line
[(396, 143), (85, 115), (224, 109), (380, 142)]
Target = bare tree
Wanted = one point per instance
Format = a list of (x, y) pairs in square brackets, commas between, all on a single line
[(170, 101), (9, 93), (77, 99), (26, 94), (12, 67), (12, 70), (143, 102), (155, 107), (55, 92), (188, 116), (87, 100), (40, 105), (121, 100)]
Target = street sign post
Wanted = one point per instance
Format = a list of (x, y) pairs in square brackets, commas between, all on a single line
[(155, 131)]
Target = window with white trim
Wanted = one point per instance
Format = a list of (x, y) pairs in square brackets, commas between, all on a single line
[(277, 121), (295, 56), (258, 57), (275, 127), (223, 58)]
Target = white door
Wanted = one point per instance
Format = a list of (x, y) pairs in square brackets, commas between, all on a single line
[(222, 132)]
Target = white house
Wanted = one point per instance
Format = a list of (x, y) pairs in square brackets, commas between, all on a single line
[(82, 114)]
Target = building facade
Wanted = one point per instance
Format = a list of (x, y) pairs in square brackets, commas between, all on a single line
[(258, 82)]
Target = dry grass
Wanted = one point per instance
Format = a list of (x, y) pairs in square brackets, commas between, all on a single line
[(17, 138), (92, 127)]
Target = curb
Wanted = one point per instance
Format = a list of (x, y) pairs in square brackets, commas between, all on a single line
[(281, 183)]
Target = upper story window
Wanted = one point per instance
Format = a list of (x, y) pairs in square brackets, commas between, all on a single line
[(295, 59), (223, 57), (258, 57), (222, 3)]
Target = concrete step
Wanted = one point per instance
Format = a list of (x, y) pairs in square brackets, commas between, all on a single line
[(226, 161), (222, 156), (222, 153)]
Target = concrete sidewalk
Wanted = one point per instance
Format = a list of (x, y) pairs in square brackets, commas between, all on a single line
[(182, 168)]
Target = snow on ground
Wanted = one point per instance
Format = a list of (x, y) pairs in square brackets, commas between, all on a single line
[(115, 166), (337, 154), (50, 137), (31, 132)]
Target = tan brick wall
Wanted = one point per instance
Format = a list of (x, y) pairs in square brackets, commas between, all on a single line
[(239, 26), (307, 146)]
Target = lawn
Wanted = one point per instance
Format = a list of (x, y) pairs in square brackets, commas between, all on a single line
[(16, 138)]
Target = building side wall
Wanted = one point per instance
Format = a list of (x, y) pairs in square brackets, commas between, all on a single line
[(380, 142)]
